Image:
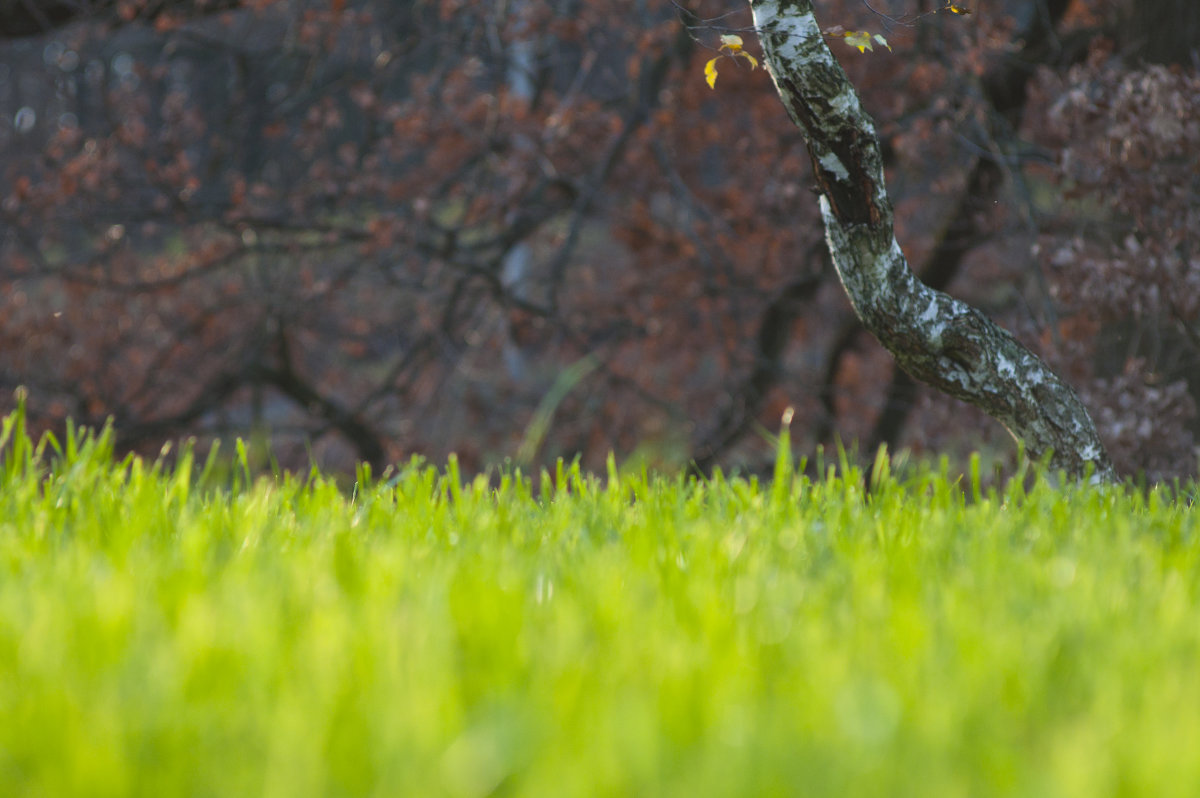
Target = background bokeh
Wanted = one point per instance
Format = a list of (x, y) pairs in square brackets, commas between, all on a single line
[(355, 230)]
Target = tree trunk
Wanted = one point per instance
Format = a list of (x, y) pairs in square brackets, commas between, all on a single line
[(933, 337)]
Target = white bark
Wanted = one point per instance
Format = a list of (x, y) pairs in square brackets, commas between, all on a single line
[(933, 337)]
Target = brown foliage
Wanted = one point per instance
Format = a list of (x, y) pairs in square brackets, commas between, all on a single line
[(386, 228), (1123, 251)]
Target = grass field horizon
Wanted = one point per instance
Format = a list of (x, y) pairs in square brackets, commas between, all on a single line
[(193, 630)]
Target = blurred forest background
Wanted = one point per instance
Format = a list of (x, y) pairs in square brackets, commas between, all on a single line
[(524, 229)]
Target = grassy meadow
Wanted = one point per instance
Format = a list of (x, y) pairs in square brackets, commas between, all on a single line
[(190, 631)]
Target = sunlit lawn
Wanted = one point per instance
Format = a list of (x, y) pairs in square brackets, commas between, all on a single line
[(170, 632)]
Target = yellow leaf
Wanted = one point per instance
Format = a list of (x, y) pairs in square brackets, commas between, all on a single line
[(882, 41), (955, 9), (710, 73), (731, 42), (859, 39)]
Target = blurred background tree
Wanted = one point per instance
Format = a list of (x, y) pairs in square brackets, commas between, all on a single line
[(364, 229)]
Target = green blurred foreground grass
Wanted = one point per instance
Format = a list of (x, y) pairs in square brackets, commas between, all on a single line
[(632, 636)]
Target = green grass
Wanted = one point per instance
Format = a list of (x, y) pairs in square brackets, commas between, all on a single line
[(165, 632)]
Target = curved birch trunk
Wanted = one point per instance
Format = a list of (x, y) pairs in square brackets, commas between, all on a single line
[(934, 337)]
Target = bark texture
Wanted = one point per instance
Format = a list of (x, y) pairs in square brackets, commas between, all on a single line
[(934, 337)]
